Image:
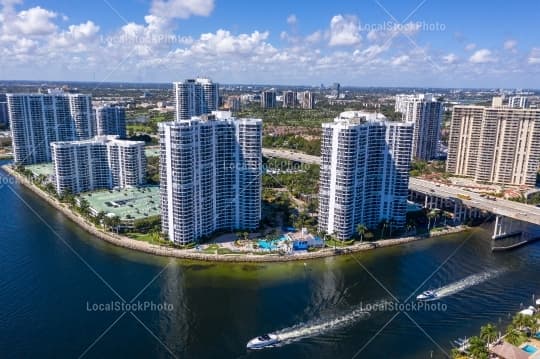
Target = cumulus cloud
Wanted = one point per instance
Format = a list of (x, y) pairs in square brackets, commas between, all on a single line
[(510, 45), (34, 21), (292, 20), (181, 9), (344, 31), (400, 60), (470, 47), (534, 56), (482, 56), (450, 59)]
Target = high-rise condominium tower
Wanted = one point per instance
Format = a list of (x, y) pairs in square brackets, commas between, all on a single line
[(210, 175), (102, 162), (495, 144), (111, 120), (4, 117), (37, 120), (289, 99), (268, 99), (518, 102), (364, 173), (425, 112), (307, 100), (195, 97)]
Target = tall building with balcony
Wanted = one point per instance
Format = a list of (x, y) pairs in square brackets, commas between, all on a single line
[(364, 176), (4, 116), (268, 99), (307, 100), (100, 163), (289, 99), (37, 120), (195, 97), (495, 144), (210, 175), (518, 102), (425, 112), (111, 120)]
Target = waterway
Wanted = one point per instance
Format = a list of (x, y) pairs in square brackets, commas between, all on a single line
[(57, 283)]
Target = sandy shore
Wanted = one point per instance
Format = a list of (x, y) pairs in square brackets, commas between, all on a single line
[(192, 254)]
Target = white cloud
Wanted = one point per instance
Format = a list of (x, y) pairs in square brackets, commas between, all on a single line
[(534, 56), (470, 47), (314, 37), (34, 21), (344, 31), (292, 20), (510, 45), (181, 9), (77, 37), (482, 56), (450, 59), (400, 60)]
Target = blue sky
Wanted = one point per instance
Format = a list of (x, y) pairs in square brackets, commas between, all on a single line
[(361, 43)]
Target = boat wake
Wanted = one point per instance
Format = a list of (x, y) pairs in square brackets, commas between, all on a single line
[(319, 327), (465, 283)]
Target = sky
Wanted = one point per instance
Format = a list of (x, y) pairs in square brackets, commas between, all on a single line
[(401, 43)]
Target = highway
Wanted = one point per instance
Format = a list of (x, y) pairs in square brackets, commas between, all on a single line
[(515, 210)]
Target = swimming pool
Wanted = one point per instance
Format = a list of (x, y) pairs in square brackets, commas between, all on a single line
[(529, 349), (537, 335), (271, 245)]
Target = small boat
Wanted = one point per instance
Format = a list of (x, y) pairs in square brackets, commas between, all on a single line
[(427, 295), (264, 341)]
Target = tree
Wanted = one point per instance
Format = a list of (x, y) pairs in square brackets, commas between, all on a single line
[(431, 215), (84, 207), (488, 333), (512, 335), (361, 230), (478, 348)]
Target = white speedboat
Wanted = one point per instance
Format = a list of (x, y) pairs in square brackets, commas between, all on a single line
[(264, 341), (427, 295)]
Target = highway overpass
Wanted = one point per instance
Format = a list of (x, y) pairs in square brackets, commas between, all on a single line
[(501, 207)]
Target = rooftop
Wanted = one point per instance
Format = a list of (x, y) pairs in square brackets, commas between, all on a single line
[(137, 203), (41, 169)]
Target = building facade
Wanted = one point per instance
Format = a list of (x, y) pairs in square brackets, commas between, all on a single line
[(4, 116), (37, 120), (210, 176), (289, 99), (495, 144), (195, 97), (518, 102), (111, 120), (100, 163), (268, 99), (364, 173), (426, 113), (307, 100)]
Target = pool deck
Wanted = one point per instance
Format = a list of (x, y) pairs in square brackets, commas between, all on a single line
[(535, 343)]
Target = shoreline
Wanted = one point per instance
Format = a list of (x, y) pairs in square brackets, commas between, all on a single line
[(191, 254)]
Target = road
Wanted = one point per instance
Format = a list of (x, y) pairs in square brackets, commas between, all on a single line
[(511, 209)]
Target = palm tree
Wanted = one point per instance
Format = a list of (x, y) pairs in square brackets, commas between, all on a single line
[(478, 349), (431, 215), (361, 230), (512, 335), (488, 333)]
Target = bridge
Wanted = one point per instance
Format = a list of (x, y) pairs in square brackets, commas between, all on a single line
[(512, 218)]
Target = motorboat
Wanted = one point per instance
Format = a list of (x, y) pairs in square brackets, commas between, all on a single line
[(264, 341), (427, 295)]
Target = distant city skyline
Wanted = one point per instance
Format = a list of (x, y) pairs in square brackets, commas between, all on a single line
[(372, 43)]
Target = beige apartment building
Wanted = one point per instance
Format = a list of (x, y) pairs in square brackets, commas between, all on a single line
[(495, 144)]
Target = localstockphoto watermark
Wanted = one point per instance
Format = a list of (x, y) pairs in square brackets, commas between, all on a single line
[(396, 26), (391, 306), (119, 306)]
